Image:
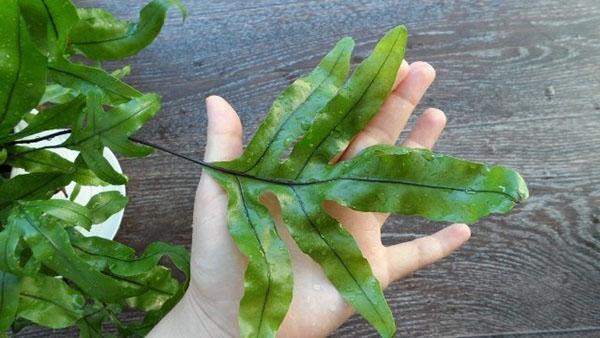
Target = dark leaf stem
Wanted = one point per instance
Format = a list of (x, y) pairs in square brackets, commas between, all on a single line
[(292, 183), (277, 181), (41, 138)]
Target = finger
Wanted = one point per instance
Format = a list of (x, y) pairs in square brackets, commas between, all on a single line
[(403, 70), (386, 125), (224, 134), (427, 130), (223, 142), (405, 258)]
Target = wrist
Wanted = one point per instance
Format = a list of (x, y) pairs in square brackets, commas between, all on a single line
[(193, 317)]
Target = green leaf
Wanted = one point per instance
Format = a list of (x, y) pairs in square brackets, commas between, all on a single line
[(350, 111), (268, 286), (295, 109), (31, 187), (50, 302), (75, 192), (105, 204), (161, 287), (46, 161), (418, 182), (84, 175), (121, 72), (180, 257), (314, 122), (56, 117), (23, 68), (112, 129), (9, 299), (93, 155), (50, 244), (85, 79), (101, 36), (14, 256), (49, 23), (3, 155), (163, 291), (329, 244), (67, 211), (39, 161), (90, 325), (56, 93)]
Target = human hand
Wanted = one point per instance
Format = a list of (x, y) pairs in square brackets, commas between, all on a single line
[(211, 305)]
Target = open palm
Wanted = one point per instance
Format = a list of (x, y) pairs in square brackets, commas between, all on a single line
[(210, 307)]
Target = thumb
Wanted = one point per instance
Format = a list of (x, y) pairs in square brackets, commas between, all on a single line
[(223, 142), (224, 134)]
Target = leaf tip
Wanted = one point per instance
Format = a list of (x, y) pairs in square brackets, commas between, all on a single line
[(346, 41), (522, 190)]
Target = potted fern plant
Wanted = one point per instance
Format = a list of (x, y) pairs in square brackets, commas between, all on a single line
[(62, 118)]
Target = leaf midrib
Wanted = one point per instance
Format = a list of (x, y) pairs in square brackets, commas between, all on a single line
[(124, 260), (140, 284), (343, 118), (51, 164), (314, 227), (286, 182), (99, 132), (30, 192), (264, 255), (50, 16), (69, 73), (24, 294), (293, 113)]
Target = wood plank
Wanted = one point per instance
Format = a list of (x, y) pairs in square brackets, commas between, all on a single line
[(520, 83)]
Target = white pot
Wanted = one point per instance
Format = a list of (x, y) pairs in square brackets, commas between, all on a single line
[(109, 228)]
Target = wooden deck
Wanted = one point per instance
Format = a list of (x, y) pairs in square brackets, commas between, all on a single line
[(520, 83)]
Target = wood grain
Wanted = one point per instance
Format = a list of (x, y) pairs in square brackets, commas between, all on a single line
[(520, 83)]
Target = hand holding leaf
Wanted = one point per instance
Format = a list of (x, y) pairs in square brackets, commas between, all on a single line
[(312, 212)]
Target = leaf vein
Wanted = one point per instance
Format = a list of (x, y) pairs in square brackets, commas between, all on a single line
[(62, 71), (27, 295), (325, 137), (54, 28), (264, 255), (288, 119)]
